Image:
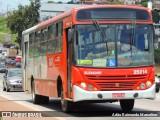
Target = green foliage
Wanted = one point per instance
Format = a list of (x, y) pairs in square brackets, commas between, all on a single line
[(145, 3), (4, 30), (3, 25), (114, 3), (156, 16), (23, 18), (157, 56), (50, 1)]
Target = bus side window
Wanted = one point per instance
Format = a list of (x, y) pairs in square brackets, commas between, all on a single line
[(31, 44), (59, 27), (58, 40)]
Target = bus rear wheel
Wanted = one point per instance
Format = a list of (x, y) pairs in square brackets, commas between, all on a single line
[(45, 100), (66, 105), (38, 99), (35, 98), (127, 105)]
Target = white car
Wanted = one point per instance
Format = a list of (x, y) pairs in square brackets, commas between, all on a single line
[(157, 81), (4, 53)]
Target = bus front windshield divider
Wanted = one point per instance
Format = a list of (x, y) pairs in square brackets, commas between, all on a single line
[(132, 37)]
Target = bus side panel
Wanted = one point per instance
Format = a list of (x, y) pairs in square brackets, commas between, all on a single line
[(45, 85), (67, 23), (29, 73)]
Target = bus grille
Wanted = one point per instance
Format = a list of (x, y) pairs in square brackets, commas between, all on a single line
[(127, 82)]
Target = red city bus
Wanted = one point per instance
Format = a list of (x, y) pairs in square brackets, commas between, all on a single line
[(96, 53)]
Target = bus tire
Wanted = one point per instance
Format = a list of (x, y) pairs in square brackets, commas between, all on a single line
[(36, 99), (127, 105), (45, 99), (65, 104)]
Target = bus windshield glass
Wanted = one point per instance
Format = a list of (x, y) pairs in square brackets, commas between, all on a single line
[(125, 45)]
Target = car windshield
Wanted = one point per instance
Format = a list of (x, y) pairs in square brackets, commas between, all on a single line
[(113, 45), (2, 66), (14, 73)]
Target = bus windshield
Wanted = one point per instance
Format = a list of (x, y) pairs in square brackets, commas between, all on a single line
[(125, 45)]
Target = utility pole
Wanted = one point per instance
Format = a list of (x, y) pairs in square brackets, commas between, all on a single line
[(150, 4), (7, 9)]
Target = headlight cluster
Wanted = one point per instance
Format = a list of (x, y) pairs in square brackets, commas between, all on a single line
[(145, 85), (85, 86)]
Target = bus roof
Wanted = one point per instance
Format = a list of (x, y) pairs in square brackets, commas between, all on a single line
[(42, 24), (67, 13), (111, 6)]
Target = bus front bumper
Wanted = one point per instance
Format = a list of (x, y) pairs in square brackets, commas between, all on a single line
[(83, 95)]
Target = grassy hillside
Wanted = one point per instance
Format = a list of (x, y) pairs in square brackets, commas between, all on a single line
[(4, 30)]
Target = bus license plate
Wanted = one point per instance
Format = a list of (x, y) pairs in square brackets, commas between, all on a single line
[(118, 95)]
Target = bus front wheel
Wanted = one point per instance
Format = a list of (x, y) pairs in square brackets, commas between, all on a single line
[(66, 105), (127, 105)]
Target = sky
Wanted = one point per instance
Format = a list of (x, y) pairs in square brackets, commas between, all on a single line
[(12, 4)]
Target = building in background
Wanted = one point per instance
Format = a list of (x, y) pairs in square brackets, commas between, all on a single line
[(156, 4), (49, 10), (131, 2), (95, 1), (157, 35)]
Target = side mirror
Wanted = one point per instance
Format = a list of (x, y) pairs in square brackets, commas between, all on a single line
[(70, 35)]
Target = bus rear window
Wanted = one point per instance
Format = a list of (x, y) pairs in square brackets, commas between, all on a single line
[(113, 13)]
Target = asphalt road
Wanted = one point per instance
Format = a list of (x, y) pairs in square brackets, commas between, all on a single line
[(94, 111)]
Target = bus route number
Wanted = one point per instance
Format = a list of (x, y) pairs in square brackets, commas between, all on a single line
[(135, 72)]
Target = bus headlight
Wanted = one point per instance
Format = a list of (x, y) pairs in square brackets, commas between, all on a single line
[(87, 86), (83, 85), (148, 83), (90, 87), (142, 86)]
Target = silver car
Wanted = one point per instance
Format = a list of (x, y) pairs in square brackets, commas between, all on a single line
[(12, 80), (3, 68)]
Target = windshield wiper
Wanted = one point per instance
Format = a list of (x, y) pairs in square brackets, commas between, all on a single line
[(104, 38), (99, 29)]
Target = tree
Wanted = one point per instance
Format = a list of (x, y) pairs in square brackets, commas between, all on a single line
[(70, 2), (23, 18), (155, 16), (59, 2), (50, 2)]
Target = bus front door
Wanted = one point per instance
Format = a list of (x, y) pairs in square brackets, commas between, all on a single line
[(69, 70)]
